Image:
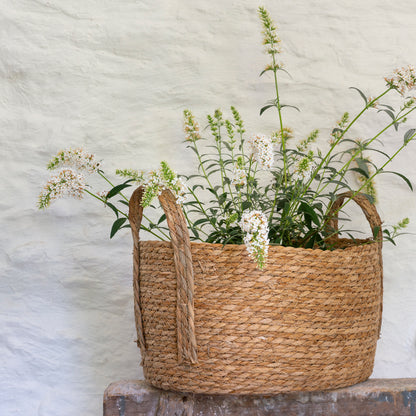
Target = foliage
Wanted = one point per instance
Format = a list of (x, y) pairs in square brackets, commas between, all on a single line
[(268, 189)]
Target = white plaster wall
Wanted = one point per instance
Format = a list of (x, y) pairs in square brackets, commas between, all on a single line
[(115, 77)]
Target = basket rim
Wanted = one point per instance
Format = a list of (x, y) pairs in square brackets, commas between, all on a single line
[(346, 245)]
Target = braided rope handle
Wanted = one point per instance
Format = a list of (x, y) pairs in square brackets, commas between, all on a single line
[(374, 220), (187, 350), (366, 206)]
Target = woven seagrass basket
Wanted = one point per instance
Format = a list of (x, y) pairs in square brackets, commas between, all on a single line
[(208, 321)]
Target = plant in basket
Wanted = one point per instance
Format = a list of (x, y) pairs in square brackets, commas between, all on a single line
[(249, 287)]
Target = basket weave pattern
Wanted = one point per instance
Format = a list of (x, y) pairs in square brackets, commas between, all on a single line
[(309, 321)]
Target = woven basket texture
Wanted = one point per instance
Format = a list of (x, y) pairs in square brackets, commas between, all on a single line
[(309, 321)]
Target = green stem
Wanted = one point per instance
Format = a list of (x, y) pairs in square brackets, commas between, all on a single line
[(192, 226), (371, 178), (144, 216), (109, 182), (125, 215), (325, 159), (343, 171), (104, 202), (280, 119), (342, 135), (202, 208)]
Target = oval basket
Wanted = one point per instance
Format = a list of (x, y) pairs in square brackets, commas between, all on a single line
[(208, 321)]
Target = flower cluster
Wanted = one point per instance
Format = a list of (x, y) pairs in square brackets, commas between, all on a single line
[(75, 158), (304, 144), (305, 167), (137, 176), (280, 135), (67, 183), (271, 40), (191, 127), (262, 150), (254, 225), (338, 132), (403, 79), (70, 181), (158, 180), (239, 176)]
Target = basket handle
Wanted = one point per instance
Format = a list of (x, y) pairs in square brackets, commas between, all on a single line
[(187, 351), (367, 207), (374, 220)]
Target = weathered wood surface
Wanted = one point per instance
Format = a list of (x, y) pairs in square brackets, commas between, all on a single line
[(378, 397)]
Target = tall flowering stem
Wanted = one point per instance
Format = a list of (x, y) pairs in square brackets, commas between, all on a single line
[(271, 41), (341, 136), (379, 170), (344, 169), (334, 143)]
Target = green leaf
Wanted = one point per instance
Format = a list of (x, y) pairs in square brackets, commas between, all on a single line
[(387, 106), (290, 106), (201, 221), (409, 184), (118, 188), (339, 183), (409, 135), (113, 208), (265, 70), (309, 212), (389, 113), (222, 198), (361, 93), (117, 225), (246, 205), (213, 191), (266, 107), (122, 201), (363, 165), (360, 171), (228, 205), (370, 198), (161, 219), (227, 145)]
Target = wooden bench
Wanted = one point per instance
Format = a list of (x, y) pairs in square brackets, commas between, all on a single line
[(378, 397)]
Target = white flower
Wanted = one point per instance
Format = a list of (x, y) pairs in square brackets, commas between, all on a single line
[(254, 225), (262, 150), (403, 79), (239, 176), (75, 158), (67, 183), (304, 175), (163, 178), (190, 127)]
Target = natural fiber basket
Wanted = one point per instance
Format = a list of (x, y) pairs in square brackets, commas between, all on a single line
[(209, 321)]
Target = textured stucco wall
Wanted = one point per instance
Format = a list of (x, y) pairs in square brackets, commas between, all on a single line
[(115, 77)]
